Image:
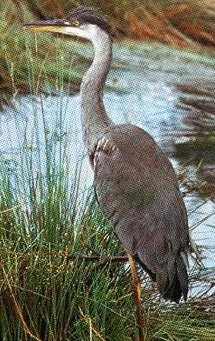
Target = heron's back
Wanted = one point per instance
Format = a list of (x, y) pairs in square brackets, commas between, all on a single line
[(137, 189)]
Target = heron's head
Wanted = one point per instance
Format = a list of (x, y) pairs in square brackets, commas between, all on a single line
[(82, 22)]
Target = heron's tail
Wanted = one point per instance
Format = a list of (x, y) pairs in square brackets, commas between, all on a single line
[(179, 285), (172, 280)]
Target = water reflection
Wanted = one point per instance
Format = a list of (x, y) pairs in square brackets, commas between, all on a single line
[(196, 140)]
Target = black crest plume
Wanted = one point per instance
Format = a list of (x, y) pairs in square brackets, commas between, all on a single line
[(88, 15)]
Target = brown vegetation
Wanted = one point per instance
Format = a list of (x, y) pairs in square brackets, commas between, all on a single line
[(176, 22)]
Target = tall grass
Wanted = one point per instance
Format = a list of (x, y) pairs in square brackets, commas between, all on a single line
[(50, 288), (42, 54), (49, 291)]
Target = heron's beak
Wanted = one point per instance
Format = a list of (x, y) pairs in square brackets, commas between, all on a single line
[(55, 25)]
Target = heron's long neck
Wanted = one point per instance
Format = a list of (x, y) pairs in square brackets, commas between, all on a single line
[(94, 116)]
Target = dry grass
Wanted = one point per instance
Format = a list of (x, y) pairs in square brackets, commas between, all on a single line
[(178, 22)]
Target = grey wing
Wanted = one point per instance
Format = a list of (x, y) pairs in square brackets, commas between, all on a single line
[(146, 210)]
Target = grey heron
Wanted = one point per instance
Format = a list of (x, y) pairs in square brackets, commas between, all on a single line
[(135, 184)]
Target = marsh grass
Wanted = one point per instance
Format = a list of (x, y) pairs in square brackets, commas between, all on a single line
[(49, 291), (19, 49), (49, 229)]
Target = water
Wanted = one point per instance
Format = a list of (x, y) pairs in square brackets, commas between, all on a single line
[(168, 93)]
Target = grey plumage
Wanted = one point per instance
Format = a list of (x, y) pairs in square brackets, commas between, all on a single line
[(137, 189), (135, 183)]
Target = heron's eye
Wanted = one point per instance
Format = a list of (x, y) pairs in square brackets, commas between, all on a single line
[(76, 23)]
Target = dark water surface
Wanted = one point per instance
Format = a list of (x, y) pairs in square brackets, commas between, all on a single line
[(168, 93)]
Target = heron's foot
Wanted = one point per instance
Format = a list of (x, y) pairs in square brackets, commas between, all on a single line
[(137, 296)]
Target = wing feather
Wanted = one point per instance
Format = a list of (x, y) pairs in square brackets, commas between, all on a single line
[(137, 190)]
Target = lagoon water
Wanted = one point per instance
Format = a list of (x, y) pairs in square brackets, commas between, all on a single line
[(168, 93)]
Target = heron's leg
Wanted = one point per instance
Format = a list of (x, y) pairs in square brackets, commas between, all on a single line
[(137, 295)]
